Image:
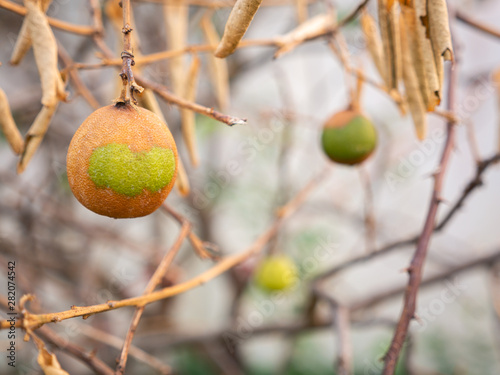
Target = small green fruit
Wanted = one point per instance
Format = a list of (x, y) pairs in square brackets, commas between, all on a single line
[(348, 137), (277, 272)]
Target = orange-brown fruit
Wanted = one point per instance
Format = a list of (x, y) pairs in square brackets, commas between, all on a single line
[(122, 162)]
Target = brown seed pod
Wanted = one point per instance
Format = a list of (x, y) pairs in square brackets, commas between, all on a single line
[(122, 162)]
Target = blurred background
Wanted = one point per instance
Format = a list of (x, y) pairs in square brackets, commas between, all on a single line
[(66, 255)]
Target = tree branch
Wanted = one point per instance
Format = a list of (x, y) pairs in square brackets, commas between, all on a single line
[(33, 321), (417, 263), (155, 280), (58, 24), (460, 16)]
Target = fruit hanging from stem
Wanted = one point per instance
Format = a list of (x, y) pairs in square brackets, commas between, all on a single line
[(348, 137), (122, 161)]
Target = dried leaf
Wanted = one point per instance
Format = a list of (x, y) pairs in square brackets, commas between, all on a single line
[(8, 125), (22, 46), (412, 90), (374, 43), (23, 41), (313, 27), (219, 75), (45, 50), (188, 116), (431, 74), (389, 29), (47, 361), (176, 22), (438, 30), (237, 24), (409, 18), (35, 135), (399, 100)]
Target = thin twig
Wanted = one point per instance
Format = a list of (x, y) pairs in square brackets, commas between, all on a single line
[(89, 358), (177, 338), (375, 300), (203, 249), (224, 3), (129, 85), (33, 321), (75, 78), (153, 283), (172, 53), (117, 342), (95, 9), (417, 263), (472, 141), (275, 42), (341, 323), (343, 326), (353, 14), (472, 185), (370, 225), (165, 94), (58, 24), (461, 16)]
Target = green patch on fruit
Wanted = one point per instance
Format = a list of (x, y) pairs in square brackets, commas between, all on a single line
[(351, 143), (116, 167), (276, 272)]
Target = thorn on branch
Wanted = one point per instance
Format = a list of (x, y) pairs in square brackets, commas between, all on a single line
[(418, 319), (408, 270), (436, 172), (440, 200)]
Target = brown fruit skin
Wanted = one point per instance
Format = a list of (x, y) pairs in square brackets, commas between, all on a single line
[(123, 124)]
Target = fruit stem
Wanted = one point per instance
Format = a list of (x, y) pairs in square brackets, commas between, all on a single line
[(129, 84), (356, 95)]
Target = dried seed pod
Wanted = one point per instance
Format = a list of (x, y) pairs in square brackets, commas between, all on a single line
[(8, 125), (219, 75), (237, 24)]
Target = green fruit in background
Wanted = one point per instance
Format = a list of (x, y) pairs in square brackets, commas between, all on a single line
[(348, 137), (277, 272)]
